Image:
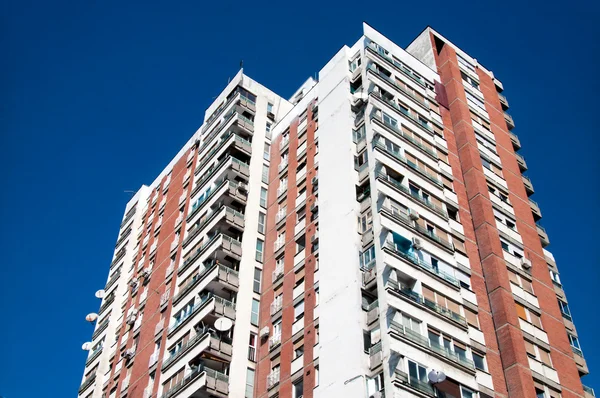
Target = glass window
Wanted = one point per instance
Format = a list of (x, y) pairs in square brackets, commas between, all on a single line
[(466, 393), (257, 275), (564, 308), (249, 383), (574, 341), (261, 222), (263, 197), (267, 151), (299, 310), (479, 361), (259, 250), (270, 107), (254, 315), (417, 372), (298, 389), (265, 174), (539, 393), (387, 119)]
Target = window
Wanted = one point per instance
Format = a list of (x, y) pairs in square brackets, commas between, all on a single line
[(254, 315), (539, 393), (267, 151), (471, 318), (564, 308), (365, 222), (466, 393), (299, 311), (263, 197), (259, 250), (298, 389), (257, 274), (555, 277), (252, 345), (249, 383), (367, 258), (268, 128), (411, 323), (479, 361), (574, 341), (265, 174), (390, 121), (269, 107), (261, 222), (416, 372)]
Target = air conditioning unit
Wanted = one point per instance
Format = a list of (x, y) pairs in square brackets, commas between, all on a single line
[(413, 214), (146, 273), (416, 243), (130, 320), (525, 263), (133, 282), (314, 207), (315, 180), (264, 332), (314, 238), (242, 186), (128, 354)]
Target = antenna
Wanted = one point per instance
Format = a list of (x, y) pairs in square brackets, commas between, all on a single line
[(436, 376)]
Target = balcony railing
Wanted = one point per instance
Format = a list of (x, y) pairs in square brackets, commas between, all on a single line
[(239, 165), (198, 277), (398, 185), (205, 198), (417, 298), (381, 52), (100, 329), (207, 219), (589, 390), (414, 118), (184, 348), (413, 382), (403, 90), (377, 143), (196, 307), (112, 280), (193, 375), (107, 302), (433, 236), (422, 264), (192, 257), (398, 132), (87, 382), (435, 347), (577, 351)]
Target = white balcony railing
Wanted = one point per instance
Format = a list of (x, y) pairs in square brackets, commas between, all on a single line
[(281, 214), (282, 165), (281, 190), (153, 247), (182, 198), (274, 340), (276, 305), (273, 379), (153, 359), (278, 272), (279, 243)]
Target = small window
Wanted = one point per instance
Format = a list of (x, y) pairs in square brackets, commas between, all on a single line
[(259, 250), (254, 314), (479, 361), (261, 222), (257, 275), (269, 107), (263, 198)]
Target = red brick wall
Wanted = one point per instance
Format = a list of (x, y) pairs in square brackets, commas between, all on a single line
[(158, 284), (267, 295), (506, 356)]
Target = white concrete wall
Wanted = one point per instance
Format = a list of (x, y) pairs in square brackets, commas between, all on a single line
[(341, 342)]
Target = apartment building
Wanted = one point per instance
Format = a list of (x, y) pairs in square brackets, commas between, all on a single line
[(371, 236)]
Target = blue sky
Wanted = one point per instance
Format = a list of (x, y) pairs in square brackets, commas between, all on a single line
[(98, 96)]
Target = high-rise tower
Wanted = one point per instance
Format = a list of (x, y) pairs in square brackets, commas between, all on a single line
[(371, 236)]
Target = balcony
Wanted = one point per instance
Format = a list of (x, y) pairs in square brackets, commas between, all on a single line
[(100, 328), (213, 304), (232, 145), (234, 97), (403, 379), (216, 276), (199, 381), (375, 356), (521, 162), (273, 379), (378, 118), (372, 311), (224, 246), (528, 186), (278, 272), (410, 295), (228, 191), (503, 101), (120, 254), (93, 355), (87, 382), (108, 300), (407, 114), (229, 168), (415, 337), (372, 69), (380, 52), (535, 209), (382, 175), (379, 144), (223, 218), (543, 235), (209, 343), (589, 391), (274, 341), (276, 305), (112, 280), (515, 141), (509, 121), (413, 260)]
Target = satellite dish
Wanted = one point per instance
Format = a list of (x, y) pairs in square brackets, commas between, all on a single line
[(223, 324), (436, 376), (91, 317), (100, 293), (86, 346)]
